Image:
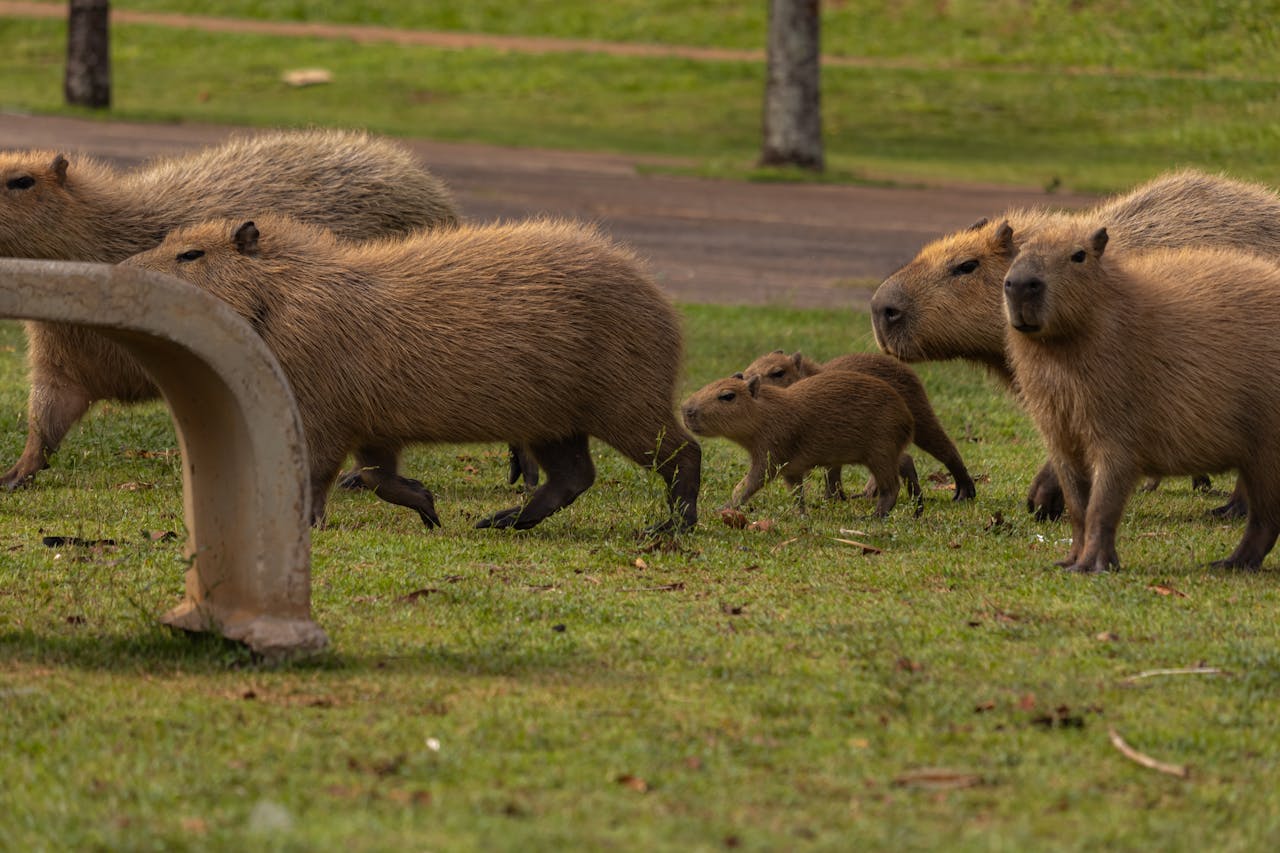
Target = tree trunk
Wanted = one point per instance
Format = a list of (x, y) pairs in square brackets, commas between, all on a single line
[(792, 109), (88, 78)]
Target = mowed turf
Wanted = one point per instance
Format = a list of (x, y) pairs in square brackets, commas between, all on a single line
[(570, 687)]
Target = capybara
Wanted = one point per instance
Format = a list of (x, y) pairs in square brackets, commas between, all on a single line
[(397, 341), (1149, 363), (832, 419), (57, 206), (778, 368), (947, 302)]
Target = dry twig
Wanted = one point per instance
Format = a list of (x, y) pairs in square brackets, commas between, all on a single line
[(1179, 770), (1190, 670)]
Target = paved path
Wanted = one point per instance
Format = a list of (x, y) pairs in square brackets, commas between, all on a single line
[(708, 241)]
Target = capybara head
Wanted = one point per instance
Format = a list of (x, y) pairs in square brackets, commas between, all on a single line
[(946, 303), (31, 185), (239, 261), (1046, 291), (777, 368), (726, 407)]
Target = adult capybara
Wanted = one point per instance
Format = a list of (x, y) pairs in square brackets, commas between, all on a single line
[(832, 419), (75, 208), (779, 369), (398, 341), (947, 302), (1148, 363)]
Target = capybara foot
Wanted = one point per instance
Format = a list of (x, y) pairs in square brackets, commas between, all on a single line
[(15, 479), (505, 518), (670, 527), (965, 490), (1045, 499), (1201, 483), (1231, 510), (1097, 565), (1150, 484), (521, 465), (1237, 564), (351, 480)]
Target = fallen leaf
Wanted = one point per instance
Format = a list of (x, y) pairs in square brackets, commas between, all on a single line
[(937, 778), (641, 564), (733, 518), (983, 707), (1107, 637), (764, 525), (301, 77), (417, 595), (1161, 589), (635, 783), (135, 487), (907, 665)]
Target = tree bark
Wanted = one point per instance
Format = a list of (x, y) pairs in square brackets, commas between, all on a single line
[(792, 108), (88, 76)]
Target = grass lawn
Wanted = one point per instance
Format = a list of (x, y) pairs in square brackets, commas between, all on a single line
[(984, 122), (566, 688)]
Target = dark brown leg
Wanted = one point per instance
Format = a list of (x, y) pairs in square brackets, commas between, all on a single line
[(377, 467), (1262, 527), (522, 465), (1045, 498), (907, 471), (678, 460), (1237, 506), (835, 488), (1108, 495), (933, 439), (570, 472)]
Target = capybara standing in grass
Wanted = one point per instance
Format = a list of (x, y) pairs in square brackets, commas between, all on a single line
[(1153, 363), (947, 302), (76, 208), (832, 419), (398, 341), (779, 369)]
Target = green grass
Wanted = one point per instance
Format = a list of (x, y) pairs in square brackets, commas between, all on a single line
[(768, 690), (1038, 128)]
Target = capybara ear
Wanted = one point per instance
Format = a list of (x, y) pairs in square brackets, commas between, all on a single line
[(753, 385), (975, 226), (738, 375), (1004, 239), (1098, 241), (246, 239), (779, 352), (59, 169), (797, 358)]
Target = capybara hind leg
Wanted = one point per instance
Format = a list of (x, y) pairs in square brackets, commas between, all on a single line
[(907, 471), (835, 488), (570, 472), (1074, 488), (887, 479), (51, 411), (1201, 483), (522, 466), (1044, 498), (933, 439), (377, 467), (678, 460), (1262, 527), (1237, 506)]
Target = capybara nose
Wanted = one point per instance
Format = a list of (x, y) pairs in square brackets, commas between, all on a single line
[(1020, 288), (690, 414), (888, 305)]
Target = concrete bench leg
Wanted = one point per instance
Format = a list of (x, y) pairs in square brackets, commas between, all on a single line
[(244, 465)]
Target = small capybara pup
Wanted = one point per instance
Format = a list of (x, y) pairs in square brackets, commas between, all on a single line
[(397, 341), (948, 301), (1149, 363), (779, 369), (832, 419), (56, 206)]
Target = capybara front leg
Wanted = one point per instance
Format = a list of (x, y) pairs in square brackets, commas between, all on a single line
[(1074, 488), (885, 471), (933, 439), (1262, 527), (521, 465), (835, 488), (377, 467), (1109, 492), (1237, 506), (907, 471), (1045, 498), (795, 485), (570, 472), (51, 412)]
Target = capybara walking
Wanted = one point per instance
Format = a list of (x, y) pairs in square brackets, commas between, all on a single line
[(832, 419), (779, 369), (947, 302), (75, 208), (1148, 363), (397, 341)]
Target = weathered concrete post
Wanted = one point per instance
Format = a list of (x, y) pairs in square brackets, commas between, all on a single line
[(243, 456)]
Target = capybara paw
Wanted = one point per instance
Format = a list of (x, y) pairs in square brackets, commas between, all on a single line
[(1149, 485), (13, 481), (1093, 565), (350, 480), (1201, 483), (1236, 564), (965, 492), (1231, 510), (504, 518), (429, 517), (1048, 505), (836, 495)]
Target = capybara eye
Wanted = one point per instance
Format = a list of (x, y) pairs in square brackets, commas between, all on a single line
[(25, 182), (777, 374), (726, 396), (1078, 257), (965, 268), (191, 255)]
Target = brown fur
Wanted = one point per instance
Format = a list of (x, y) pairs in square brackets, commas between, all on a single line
[(358, 185), (1148, 363), (931, 309), (779, 369), (392, 342), (832, 419)]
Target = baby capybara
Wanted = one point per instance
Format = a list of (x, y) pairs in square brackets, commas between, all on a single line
[(832, 419), (68, 207), (1148, 363), (778, 368), (398, 341)]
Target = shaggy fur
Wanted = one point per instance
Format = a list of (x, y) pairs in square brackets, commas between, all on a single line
[(84, 210), (1148, 363), (398, 341), (947, 302), (832, 419), (779, 369)]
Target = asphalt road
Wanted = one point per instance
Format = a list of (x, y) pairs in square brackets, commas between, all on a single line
[(707, 241)]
